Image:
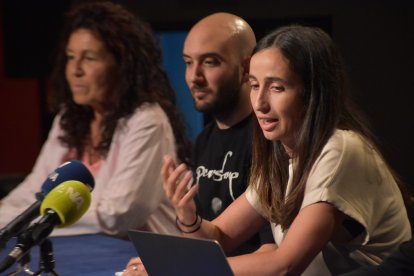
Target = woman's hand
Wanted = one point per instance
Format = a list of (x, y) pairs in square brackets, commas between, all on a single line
[(177, 186), (135, 268)]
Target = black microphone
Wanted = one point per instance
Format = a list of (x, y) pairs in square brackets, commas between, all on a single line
[(72, 170), (63, 206)]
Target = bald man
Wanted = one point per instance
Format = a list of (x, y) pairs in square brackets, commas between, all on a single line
[(217, 52)]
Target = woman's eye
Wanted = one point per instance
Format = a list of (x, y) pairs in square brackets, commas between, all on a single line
[(277, 88), (254, 86)]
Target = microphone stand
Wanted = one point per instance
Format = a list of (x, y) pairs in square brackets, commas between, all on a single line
[(23, 266), (23, 262), (47, 261)]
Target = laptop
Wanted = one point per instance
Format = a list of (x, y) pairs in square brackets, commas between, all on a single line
[(177, 255)]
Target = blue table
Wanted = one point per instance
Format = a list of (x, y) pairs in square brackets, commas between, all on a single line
[(90, 255)]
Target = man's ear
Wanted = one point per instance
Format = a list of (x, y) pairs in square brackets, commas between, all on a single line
[(246, 68)]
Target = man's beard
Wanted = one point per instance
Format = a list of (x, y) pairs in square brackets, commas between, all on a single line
[(221, 104), (224, 102)]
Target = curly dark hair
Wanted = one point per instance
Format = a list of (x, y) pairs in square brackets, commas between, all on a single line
[(139, 74)]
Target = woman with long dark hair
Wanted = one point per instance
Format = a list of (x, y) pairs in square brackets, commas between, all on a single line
[(317, 175)]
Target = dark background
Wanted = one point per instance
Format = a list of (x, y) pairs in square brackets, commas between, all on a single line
[(376, 39)]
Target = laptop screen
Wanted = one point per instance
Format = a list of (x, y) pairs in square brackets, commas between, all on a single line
[(177, 255)]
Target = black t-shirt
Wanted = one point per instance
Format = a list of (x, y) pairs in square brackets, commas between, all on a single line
[(221, 160), (221, 165)]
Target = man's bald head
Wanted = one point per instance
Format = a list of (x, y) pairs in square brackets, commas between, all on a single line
[(227, 30), (217, 53)]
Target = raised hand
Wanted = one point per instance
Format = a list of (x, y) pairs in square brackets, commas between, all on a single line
[(177, 181)]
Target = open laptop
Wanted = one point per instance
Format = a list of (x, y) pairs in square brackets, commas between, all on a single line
[(177, 255)]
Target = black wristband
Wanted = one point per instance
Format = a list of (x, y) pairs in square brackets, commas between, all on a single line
[(177, 221), (191, 231)]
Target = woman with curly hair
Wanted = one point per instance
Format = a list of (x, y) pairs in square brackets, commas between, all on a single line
[(116, 113)]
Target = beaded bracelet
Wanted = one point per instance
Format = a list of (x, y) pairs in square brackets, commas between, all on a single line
[(178, 222)]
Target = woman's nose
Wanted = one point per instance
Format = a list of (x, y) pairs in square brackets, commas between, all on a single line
[(75, 66), (260, 102)]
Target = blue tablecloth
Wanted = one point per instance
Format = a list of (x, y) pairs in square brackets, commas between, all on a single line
[(82, 255)]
